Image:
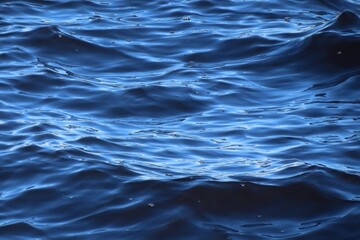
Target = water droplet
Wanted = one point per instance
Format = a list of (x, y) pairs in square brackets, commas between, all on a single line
[(151, 205)]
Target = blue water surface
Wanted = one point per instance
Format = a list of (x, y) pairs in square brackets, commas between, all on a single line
[(184, 119)]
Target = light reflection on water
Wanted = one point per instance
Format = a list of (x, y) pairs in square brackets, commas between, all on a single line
[(231, 120)]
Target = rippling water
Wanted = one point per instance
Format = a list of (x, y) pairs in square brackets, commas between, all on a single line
[(191, 119)]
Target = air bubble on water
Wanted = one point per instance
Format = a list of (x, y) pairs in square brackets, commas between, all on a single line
[(186, 18), (151, 205)]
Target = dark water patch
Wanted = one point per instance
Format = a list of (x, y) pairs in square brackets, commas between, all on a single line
[(346, 22), (25, 229), (329, 52)]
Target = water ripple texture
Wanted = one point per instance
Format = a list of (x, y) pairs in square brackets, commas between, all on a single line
[(184, 119)]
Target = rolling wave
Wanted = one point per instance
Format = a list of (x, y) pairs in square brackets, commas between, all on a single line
[(179, 119)]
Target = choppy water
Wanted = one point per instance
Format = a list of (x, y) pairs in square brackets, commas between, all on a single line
[(197, 119)]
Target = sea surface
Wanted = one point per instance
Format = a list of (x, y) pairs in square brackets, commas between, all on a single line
[(183, 119)]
